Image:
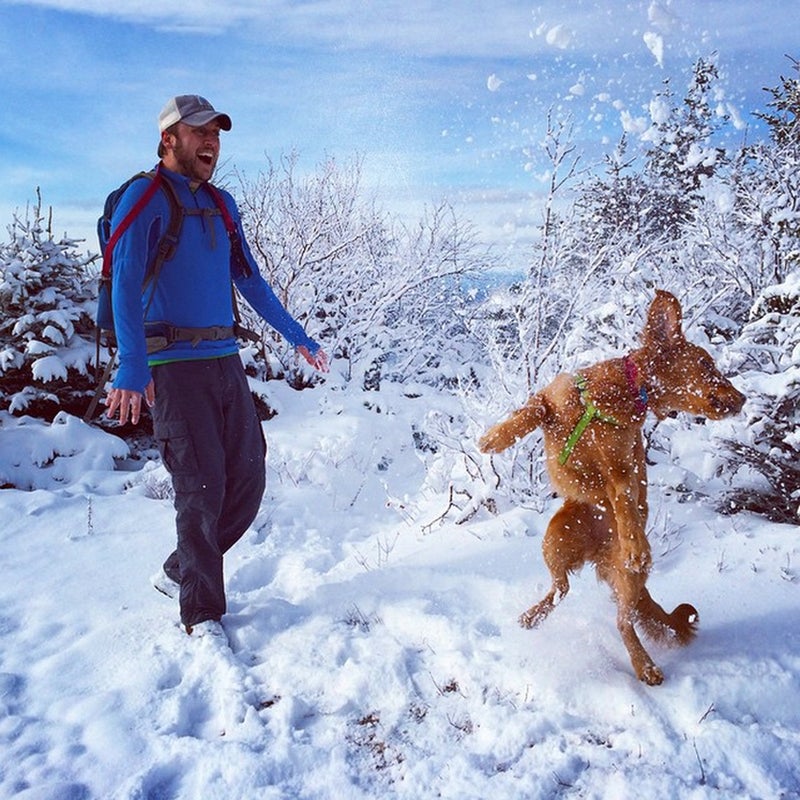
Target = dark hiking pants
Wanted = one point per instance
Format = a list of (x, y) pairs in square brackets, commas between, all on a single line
[(212, 444)]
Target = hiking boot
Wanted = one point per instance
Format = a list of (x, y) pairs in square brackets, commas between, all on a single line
[(164, 584), (210, 627)]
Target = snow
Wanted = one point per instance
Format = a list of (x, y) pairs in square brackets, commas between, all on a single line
[(49, 368), (493, 83), (558, 36), (375, 650), (655, 44), (661, 18)]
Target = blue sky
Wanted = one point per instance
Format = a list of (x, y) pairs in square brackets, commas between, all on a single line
[(442, 99)]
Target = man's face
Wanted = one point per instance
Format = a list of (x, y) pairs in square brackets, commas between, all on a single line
[(195, 151)]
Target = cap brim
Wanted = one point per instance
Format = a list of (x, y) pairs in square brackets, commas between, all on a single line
[(204, 117)]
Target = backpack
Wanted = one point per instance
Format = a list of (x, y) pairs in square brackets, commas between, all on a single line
[(164, 251)]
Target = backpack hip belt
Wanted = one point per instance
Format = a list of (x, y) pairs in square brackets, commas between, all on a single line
[(164, 335)]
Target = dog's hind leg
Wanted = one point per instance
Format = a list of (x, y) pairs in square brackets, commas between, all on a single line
[(634, 605), (644, 666), (629, 587), (567, 545)]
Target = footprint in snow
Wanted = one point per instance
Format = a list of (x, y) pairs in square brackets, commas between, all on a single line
[(207, 693)]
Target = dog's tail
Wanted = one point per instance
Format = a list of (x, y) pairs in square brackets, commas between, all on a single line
[(511, 430)]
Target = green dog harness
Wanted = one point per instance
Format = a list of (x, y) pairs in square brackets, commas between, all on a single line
[(591, 413)]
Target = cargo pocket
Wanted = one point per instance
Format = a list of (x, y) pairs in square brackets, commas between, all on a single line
[(178, 454)]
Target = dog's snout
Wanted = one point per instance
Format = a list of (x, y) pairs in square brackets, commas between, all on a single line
[(728, 404)]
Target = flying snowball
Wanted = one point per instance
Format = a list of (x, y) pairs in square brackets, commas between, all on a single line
[(493, 83), (559, 36), (655, 44), (660, 18)]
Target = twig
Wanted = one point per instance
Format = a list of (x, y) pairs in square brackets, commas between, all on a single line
[(699, 761), (450, 504), (710, 710)]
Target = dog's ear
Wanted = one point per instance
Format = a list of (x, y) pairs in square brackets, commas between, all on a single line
[(663, 326)]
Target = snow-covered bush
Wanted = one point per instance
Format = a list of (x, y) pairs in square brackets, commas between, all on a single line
[(46, 325), (66, 451), (385, 300), (764, 460)]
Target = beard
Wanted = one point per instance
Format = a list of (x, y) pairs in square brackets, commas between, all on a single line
[(190, 165)]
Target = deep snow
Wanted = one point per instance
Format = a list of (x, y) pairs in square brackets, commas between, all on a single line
[(375, 651)]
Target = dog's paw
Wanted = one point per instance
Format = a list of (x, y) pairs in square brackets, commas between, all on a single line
[(533, 616), (651, 674), (527, 620), (491, 442)]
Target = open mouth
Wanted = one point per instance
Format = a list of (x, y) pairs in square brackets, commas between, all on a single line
[(206, 158), (725, 407)]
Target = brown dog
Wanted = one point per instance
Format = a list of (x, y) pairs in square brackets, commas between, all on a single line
[(592, 426)]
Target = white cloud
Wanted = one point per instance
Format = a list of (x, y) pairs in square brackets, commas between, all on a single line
[(449, 27)]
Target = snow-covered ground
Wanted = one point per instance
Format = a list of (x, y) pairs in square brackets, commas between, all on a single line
[(374, 651)]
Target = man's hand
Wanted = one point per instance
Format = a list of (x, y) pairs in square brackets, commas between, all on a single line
[(319, 360), (129, 403)]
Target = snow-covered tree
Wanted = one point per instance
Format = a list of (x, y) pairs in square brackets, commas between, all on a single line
[(784, 119), (384, 299), (769, 201), (681, 151), (46, 324), (619, 202), (764, 460)]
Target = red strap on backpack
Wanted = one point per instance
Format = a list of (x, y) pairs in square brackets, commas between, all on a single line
[(127, 220), (240, 266), (227, 219)]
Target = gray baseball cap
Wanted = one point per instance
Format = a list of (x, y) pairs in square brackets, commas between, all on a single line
[(193, 110)]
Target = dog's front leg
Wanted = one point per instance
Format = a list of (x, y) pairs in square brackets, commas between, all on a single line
[(519, 424)]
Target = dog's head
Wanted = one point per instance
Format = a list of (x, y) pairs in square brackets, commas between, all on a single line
[(682, 376)]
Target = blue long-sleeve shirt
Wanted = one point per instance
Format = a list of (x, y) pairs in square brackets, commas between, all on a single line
[(193, 289)]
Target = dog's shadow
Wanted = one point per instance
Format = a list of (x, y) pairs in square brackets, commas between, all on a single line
[(728, 641)]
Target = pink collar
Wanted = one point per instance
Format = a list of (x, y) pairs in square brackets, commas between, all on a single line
[(639, 392)]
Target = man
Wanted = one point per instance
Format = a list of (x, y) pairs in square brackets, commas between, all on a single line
[(204, 418)]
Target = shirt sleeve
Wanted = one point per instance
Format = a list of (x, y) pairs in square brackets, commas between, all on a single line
[(131, 255), (265, 302)]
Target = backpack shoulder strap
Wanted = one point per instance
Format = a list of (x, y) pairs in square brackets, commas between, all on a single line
[(168, 242), (219, 201), (169, 239), (108, 253), (239, 264)]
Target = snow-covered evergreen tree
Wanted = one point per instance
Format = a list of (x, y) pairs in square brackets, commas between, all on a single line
[(770, 201), (46, 325), (764, 464), (765, 460)]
